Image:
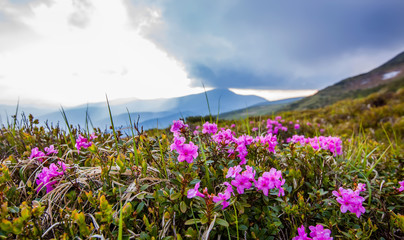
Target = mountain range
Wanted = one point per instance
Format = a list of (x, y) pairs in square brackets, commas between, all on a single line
[(152, 113)]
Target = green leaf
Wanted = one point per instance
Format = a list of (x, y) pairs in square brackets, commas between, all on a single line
[(192, 221), (183, 207), (144, 187), (175, 196), (139, 207), (222, 222)]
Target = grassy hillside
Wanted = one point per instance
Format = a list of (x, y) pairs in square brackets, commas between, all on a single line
[(358, 86)]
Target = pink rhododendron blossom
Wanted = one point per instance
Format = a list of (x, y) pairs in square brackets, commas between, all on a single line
[(82, 142), (319, 233), (224, 137), (350, 201), (269, 141), (361, 187), (332, 144), (93, 136), (229, 189), (302, 235), (401, 186), (177, 144), (249, 173), (177, 127), (222, 197), (254, 129), (45, 177), (50, 150), (270, 180), (241, 182), (297, 126), (196, 133), (234, 171), (193, 192), (35, 153), (210, 128), (188, 152), (233, 126)]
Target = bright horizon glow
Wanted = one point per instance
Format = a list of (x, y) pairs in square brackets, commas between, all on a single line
[(68, 65), (274, 95)]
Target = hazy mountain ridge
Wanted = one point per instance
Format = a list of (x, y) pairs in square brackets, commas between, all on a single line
[(152, 113)]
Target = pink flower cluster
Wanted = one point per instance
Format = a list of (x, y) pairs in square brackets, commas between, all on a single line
[(350, 200), (269, 141), (210, 128), (316, 232), (333, 144), (270, 180), (187, 152), (82, 142), (224, 137), (177, 127), (244, 180), (273, 126), (401, 186), (46, 176), (35, 153), (242, 142)]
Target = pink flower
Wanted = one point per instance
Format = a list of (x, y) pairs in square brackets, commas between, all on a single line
[(35, 153), (319, 233), (82, 142), (350, 201), (361, 187), (233, 171), (401, 186), (50, 150), (188, 152), (249, 173), (210, 128), (270, 180), (222, 197), (229, 189), (302, 235), (241, 183), (45, 177), (193, 192), (233, 126), (269, 141), (177, 127), (254, 129), (297, 126), (178, 142), (224, 137)]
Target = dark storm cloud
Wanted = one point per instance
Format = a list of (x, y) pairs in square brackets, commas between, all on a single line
[(279, 44)]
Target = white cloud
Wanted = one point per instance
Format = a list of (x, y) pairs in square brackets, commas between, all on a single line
[(273, 95), (81, 50)]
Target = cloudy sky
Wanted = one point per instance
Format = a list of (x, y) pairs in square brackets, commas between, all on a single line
[(76, 51)]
